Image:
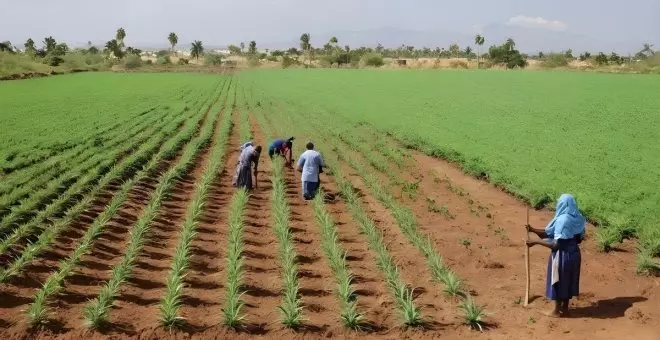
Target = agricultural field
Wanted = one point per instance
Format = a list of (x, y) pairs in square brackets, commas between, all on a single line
[(119, 219)]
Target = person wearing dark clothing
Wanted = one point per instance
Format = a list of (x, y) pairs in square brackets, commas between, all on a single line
[(282, 147), (243, 174)]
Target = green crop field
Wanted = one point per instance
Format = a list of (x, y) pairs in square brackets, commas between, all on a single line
[(49, 114), (120, 216), (538, 134)]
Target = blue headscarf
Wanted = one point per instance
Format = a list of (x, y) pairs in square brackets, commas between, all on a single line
[(568, 222)]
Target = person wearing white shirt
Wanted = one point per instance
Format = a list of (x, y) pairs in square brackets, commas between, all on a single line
[(310, 163)]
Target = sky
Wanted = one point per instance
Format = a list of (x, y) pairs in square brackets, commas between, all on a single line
[(222, 22)]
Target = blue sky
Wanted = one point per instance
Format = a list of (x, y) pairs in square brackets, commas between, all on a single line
[(219, 22)]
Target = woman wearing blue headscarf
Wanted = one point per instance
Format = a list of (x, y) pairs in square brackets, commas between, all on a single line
[(563, 236)]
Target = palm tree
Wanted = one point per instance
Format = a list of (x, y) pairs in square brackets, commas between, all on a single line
[(242, 47), (479, 40), (648, 50), (173, 39), (49, 44), (510, 44), (468, 52), (29, 46), (197, 49), (121, 34), (305, 45), (113, 47)]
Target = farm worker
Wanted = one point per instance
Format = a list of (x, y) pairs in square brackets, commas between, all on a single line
[(248, 143), (283, 148), (563, 235), (310, 163), (243, 175)]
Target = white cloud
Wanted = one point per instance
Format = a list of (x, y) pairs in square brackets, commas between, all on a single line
[(537, 22)]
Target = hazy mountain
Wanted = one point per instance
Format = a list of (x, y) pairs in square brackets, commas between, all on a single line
[(533, 40)]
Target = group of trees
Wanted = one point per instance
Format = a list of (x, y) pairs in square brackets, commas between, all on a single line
[(332, 53)]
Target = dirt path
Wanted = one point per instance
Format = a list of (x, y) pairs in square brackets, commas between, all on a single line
[(262, 280)]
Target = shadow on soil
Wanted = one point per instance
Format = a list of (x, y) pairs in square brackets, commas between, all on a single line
[(607, 309)]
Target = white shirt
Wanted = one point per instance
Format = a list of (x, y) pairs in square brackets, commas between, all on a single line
[(310, 161)]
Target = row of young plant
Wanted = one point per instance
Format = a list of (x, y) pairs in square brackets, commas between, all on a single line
[(334, 254), (63, 153), (96, 311), (234, 272), (49, 232), (96, 166), (291, 310), (25, 202), (85, 181), (30, 162), (170, 315), (21, 202), (402, 293), (38, 311), (52, 166), (37, 160), (291, 307), (407, 222), (30, 156)]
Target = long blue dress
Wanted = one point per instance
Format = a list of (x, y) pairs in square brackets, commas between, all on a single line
[(567, 230)]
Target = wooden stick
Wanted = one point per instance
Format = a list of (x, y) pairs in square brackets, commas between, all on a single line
[(527, 261)]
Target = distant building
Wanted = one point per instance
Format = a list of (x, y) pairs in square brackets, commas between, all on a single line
[(221, 52)]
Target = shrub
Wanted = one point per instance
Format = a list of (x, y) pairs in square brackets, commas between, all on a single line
[(163, 60), (182, 61), (212, 59), (601, 59), (555, 60), (53, 60), (458, 64), (18, 63), (149, 62), (288, 61), (372, 59), (271, 58), (253, 61), (132, 61)]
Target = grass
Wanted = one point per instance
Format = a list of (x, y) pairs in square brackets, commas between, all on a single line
[(510, 134)]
